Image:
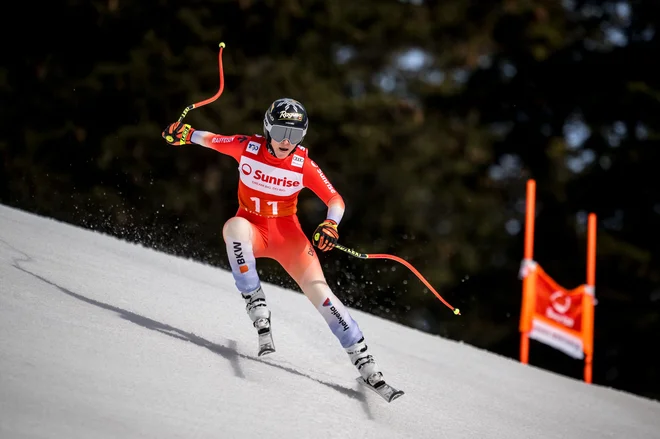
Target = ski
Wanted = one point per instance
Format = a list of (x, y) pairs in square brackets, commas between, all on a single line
[(266, 345), (387, 392)]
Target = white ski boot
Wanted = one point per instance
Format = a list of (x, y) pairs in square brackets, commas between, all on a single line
[(255, 305), (364, 362), (371, 376)]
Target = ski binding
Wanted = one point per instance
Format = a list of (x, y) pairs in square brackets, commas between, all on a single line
[(266, 345), (387, 392)]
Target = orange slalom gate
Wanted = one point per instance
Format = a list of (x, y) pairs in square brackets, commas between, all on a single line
[(551, 314)]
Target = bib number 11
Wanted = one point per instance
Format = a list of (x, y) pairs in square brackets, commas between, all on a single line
[(257, 205)]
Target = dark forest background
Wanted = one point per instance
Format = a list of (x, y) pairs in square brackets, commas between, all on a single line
[(428, 116)]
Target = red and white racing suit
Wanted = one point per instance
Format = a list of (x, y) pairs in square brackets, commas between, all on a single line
[(267, 196)]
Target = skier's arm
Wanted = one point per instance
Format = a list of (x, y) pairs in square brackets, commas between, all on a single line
[(229, 145), (314, 179), (178, 133)]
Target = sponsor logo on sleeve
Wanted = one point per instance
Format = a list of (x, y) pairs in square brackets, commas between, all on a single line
[(253, 147), (222, 139), (326, 181)]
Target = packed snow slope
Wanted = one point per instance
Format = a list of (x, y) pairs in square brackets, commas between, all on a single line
[(101, 338)]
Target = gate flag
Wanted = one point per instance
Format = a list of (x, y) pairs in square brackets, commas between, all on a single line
[(551, 314)]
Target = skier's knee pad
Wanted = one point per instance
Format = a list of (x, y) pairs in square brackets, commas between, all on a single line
[(237, 229)]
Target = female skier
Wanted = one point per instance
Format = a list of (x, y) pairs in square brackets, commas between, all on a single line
[(273, 170)]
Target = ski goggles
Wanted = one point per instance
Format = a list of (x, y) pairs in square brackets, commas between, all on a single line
[(293, 135)]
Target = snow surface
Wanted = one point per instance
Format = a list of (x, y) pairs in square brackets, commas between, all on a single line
[(101, 338)]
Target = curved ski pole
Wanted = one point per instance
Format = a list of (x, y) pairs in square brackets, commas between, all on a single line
[(400, 261), (216, 96)]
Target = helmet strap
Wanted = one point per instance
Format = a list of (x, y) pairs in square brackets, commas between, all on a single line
[(269, 146)]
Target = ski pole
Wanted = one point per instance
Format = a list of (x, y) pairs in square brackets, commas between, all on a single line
[(401, 261), (209, 100), (217, 95)]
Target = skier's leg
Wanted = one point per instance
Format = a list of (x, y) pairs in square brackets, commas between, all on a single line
[(243, 239), (313, 284), (347, 331), (299, 259)]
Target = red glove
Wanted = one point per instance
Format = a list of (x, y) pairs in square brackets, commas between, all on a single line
[(178, 133), (326, 235)]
